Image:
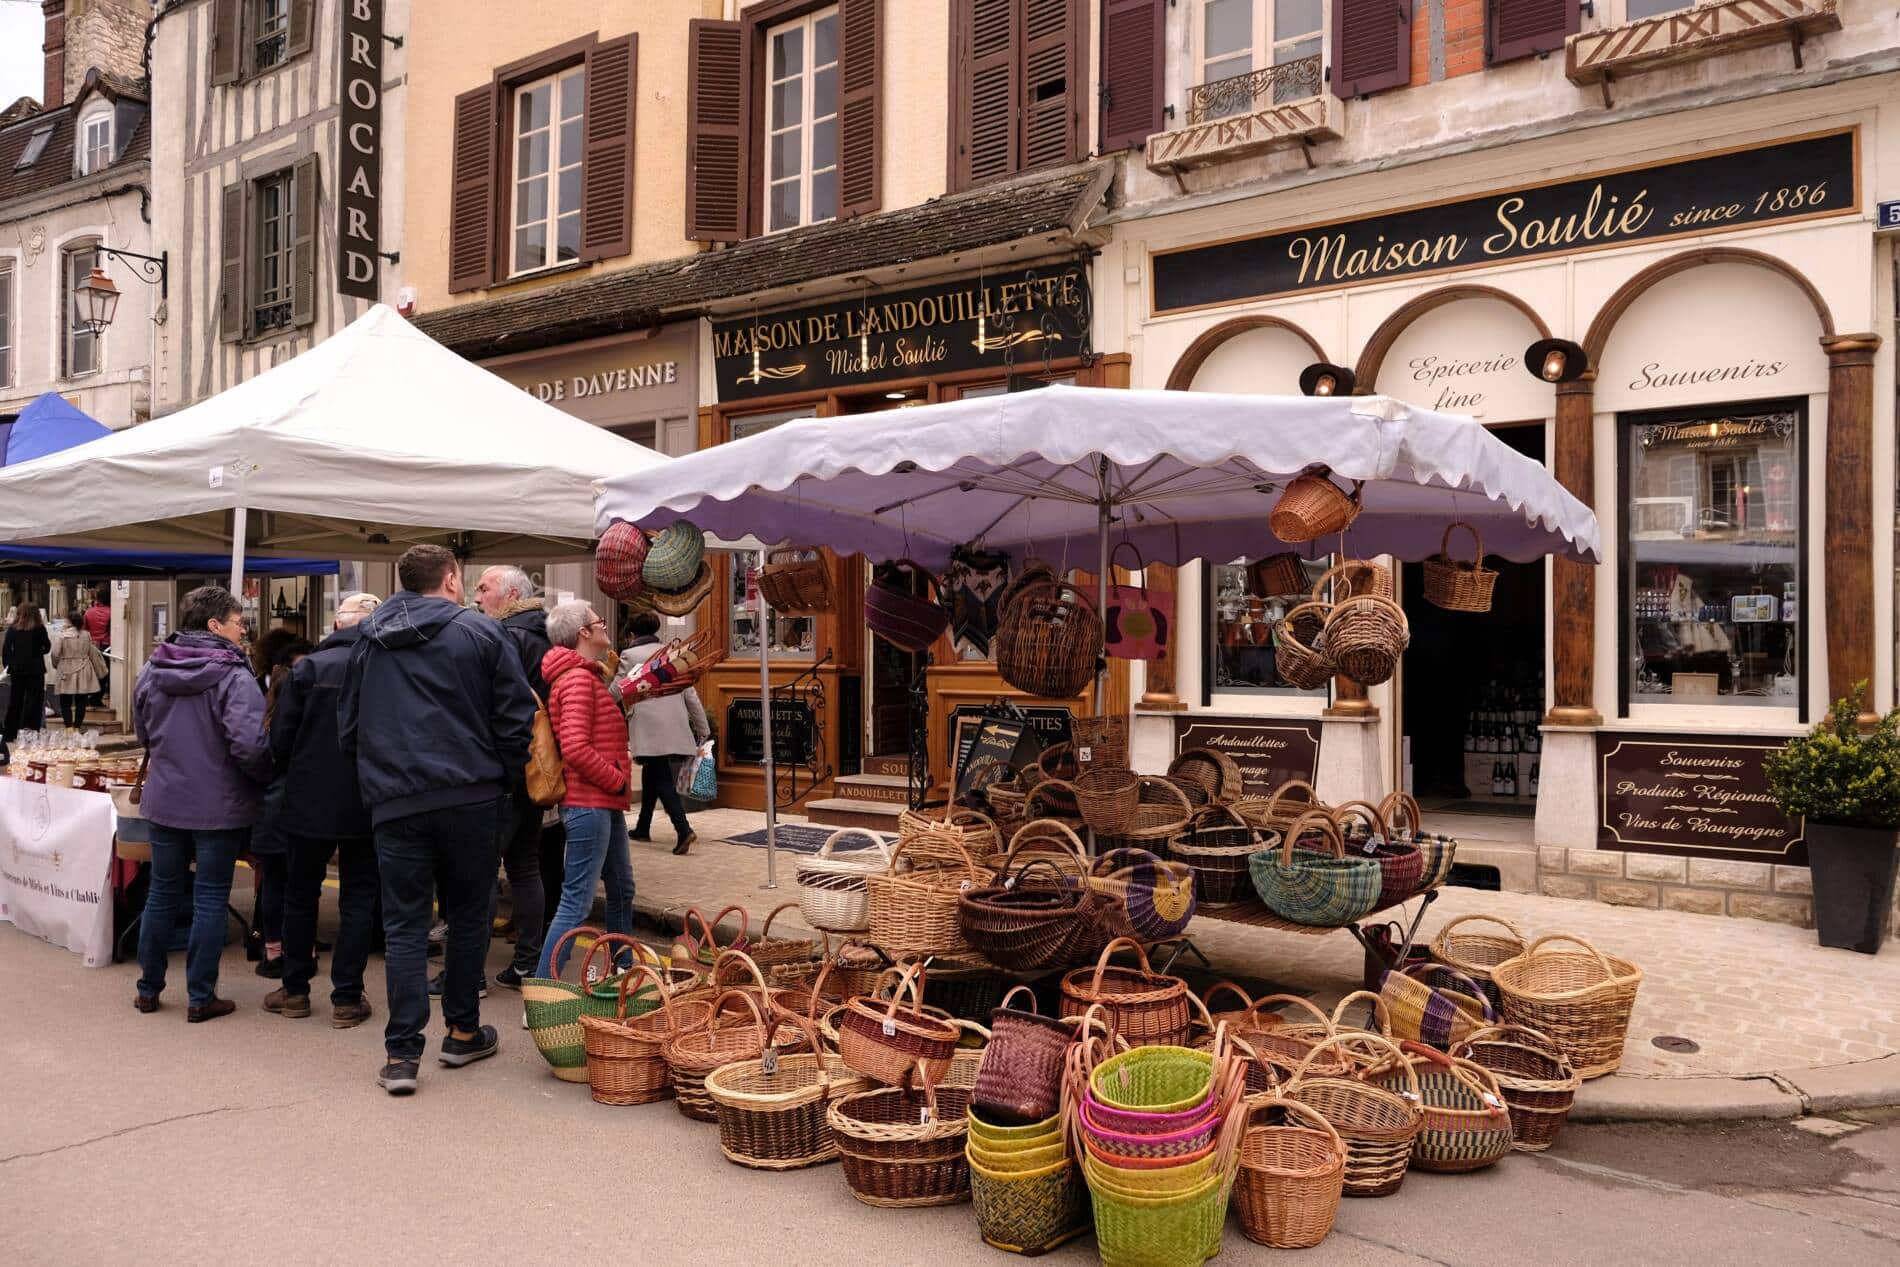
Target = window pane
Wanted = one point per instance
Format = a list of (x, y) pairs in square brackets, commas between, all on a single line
[(785, 154), (785, 205), (531, 200), (570, 142), (1296, 50), (568, 240), (570, 190), (1713, 609), (824, 144), (824, 40), (1240, 620), (824, 93), (824, 196), (531, 154), (534, 108), (1634, 9), (1296, 17), (531, 245), (788, 106), (788, 52), (573, 93), (1228, 67), (1229, 26)]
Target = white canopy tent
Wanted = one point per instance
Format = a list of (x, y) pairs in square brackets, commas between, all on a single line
[(372, 441)]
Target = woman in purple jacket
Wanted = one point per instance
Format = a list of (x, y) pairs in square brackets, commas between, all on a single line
[(200, 715)]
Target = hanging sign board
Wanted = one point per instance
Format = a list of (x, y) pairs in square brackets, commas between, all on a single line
[(1696, 796), (360, 149), (793, 729)]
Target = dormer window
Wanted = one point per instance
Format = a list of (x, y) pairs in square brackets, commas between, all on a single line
[(35, 146), (95, 143)]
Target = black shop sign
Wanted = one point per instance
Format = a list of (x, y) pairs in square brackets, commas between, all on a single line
[(1701, 796), (794, 736), (1017, 318), (1736, 189), (1268, 753), (360, 149)]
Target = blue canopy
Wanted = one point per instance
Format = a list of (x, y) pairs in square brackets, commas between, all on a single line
[(16, 560), (46, 426)]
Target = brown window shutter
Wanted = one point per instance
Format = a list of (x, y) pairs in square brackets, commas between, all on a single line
[(607, 158), (1133, 39), (231, 265), (301, 31), (985, 134), (1372, 46), (1519, 28), (1051, 83), (303, 241), (860, 54), (715, 132), (472, 196), (227, 40)]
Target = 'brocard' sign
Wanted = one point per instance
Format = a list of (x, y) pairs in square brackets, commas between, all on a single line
[(360, 149)]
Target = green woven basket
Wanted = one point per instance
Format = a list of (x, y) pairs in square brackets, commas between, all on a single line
[(1312, 888), (673, 560), (1029, 1212), (553, 1008), (1154, 1079), (1172, 1231)]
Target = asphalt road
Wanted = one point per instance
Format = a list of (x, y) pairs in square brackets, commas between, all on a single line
[(127, 1138)]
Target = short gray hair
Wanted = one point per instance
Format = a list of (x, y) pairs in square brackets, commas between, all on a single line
[(566, 621), (509, 577)]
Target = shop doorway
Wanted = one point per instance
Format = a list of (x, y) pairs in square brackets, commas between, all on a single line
[(1471, 689)]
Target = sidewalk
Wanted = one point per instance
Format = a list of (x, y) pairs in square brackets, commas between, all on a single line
[(1783, 1026)]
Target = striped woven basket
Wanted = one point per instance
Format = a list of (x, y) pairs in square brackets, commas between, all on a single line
[(1467, 1124)]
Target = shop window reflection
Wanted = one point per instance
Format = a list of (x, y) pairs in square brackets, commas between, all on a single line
[(793, 637), (1240, 616)]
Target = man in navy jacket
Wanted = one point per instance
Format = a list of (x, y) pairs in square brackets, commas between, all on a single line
[(438, 716)]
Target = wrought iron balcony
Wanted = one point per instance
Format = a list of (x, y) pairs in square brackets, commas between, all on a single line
[(1701, 30), (1245, 114)]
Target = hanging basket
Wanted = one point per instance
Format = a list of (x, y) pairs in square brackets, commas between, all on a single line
[(1581, 998), (1217, 774), (1315, 889), (1299, 648), (895, 612), (1365, 637), (618, 559), (673, 559), (798, 582), (1313, 506), (681, 602), (1351, 578), (1277, 574), (1535, 1078), (1454, 584), (1049, 641)]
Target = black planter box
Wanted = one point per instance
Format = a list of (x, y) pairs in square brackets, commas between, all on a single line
[(1853, 870)]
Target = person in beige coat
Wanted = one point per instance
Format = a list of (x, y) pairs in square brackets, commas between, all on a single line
[(76, 672), (663, 732)]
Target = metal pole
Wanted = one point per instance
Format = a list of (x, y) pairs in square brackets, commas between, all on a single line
[(1101, 601), (238, 526), (765, 706)]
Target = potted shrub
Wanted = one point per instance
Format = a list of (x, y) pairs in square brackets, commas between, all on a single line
[(1846, 783)]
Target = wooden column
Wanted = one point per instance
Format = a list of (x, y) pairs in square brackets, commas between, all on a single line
[(1574, 585), (1161, 691), (1848, 548)]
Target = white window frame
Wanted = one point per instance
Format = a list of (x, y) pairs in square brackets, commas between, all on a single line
[(71, 330), (1617, 12), (95, 151), (9, 304), (1266, 40), (283, 296), (553, 212), (277, 14), (807, 126)]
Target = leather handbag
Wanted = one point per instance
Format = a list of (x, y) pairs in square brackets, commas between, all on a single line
[(546, 772)]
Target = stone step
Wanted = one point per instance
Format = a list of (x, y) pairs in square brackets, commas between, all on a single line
[(847, 811), (888, 764), (882, 788), (1516, 863)]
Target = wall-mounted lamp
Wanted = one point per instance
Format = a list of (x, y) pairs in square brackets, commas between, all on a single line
[(1556, 360), (1321, 379)]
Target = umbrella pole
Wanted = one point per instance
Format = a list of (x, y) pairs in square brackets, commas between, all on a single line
[(1101, 600), (238, 525), (771, 779)]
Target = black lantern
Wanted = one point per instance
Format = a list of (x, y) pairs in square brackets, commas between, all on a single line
[(1556, 361), (1321, 379)]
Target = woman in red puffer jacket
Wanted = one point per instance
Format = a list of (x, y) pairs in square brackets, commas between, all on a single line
[(593, 736)]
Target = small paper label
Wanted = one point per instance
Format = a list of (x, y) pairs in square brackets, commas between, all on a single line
[(768, 1061), (890, 1028), (1085, 754), (924, 1116), (217, 477)]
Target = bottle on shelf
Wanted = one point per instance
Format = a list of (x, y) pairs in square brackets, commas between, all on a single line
[(1510, 779), (1535, 772)]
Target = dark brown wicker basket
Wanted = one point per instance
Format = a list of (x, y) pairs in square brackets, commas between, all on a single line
[(1217, 845), (797, 581), (1020, 1079), (1049, 641)]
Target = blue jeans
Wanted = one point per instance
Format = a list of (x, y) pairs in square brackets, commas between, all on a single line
[(174, 850), (596, 845)]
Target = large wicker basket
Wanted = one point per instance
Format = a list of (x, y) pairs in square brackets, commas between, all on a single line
[(1049, 641), (1312, 507), (772, 1109), (797, 581), (1299, 647), (1161, 811), (904, 1146), (1378, 1125), (1291, 1175), (1143, 1006), (1581, 998), (915, 912), (1454, 584), (1475, 952), (1365, 637), (1535, 1079)]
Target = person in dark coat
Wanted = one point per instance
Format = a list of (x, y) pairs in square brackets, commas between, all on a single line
[(198, 712), (322, 816), (269, 851), (23, 651), (437, 713), (507, 595)]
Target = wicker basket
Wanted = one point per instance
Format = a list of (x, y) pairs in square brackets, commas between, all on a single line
[(678, 603), (767, 951), (553, 1008), (625, 1064), (1315, 889), (1217, 846), (1217, 774), (1580, 998), (897, 614), (772, 1109), (891, 1042), (915, 912), (1467, 1125), (1035, 918), (1313, 506), (1057, 761), (1378, 1125), (1156, 896), (1352, 578), (1100, 741), (1020, 1078), (1534, 1077), (1028, 1211), (1161, 812), (1435, 1005), (947, 834), (701, 950), (904, 1146), (797, 582), (1143, 1006), (831, 891), (1299, 647), (618, 559), (674, 558), (1291, 1175), (1277, 810), (1277, 574), (1454, 584), (1366, 636), (725, 1037), (1049, 641), (1107, 797), (1475, 953), (1401, 862)]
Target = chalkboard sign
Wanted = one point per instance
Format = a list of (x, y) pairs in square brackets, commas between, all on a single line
[(1697, 796), (794, 736), (991, 754)]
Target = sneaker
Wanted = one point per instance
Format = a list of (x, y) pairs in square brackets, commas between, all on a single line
[(398, 1077), (457, 1052), (282, 1002), (509, 977), (439, 933), (211, 1011), (272, 969), (349, 1015), (435, 985), (686, 842)]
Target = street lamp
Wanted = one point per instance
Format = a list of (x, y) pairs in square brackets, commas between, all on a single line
[(98, 297), (1321, 379), (1556, 360)]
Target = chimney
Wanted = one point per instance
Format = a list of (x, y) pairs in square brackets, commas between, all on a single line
[(55, 49)]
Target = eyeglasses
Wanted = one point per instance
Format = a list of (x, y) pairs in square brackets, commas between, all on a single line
[(593, 624)]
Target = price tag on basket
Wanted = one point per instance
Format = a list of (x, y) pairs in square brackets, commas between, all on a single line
[(890, 1028), (1085, 755), (768, 1061)]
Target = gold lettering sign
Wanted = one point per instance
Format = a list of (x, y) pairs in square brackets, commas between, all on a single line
[(1692, 795)]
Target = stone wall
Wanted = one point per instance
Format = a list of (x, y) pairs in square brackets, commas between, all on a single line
[(1702, 886), (109, 34)]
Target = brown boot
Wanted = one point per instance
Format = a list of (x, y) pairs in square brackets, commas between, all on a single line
[(295, 1006), (349, 1015), (210, 1011)]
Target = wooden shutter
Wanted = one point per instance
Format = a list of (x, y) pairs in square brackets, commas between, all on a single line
[(1519, 28), (984, 91), (860, 55), (231, 264), (1133, 40), (607, 159), (227, 40), (1051, 83), (715, 131), (303, 241), (301, 31), (1372, 46), (472, 196)]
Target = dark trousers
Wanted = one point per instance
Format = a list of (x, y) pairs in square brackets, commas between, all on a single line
[(175, 852), (307, 862), (26, 705), (72, 709), (553, 847), (657, 783), (521, 859), (465, 840), (272, 868)]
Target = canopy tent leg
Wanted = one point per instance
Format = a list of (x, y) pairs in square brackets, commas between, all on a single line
[(239, 522), (1101, 600), (765, 706)]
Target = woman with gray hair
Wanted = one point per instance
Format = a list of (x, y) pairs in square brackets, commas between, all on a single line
[(593, 737)]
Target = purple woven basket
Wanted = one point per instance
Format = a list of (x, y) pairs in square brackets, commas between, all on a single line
[(902, 618)]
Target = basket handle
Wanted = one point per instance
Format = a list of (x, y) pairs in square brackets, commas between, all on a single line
[(1141, 563), (1291, 785), (1522, 1035), (969, 864), (1396, 803), (765, 933), (1246, 1000), (1344, 589), (1365, 810), (1062, 877), (914, 978), (1215, 807), (1286, 621), (1101, 964), (1444, 542), (644, 970), (884, 850), (1294, 1108), (745, 926), (1341, 1041), (604, 940), (1019, 989), (1318, 1015), (719, 1006), (1124, 858), (1609, 973), (746, 962), (1327, 829), (1468, 987), (1381, 1014), (1514, 930), (1187, 806), (1072, 843), (1090, 1021), (554, 956)]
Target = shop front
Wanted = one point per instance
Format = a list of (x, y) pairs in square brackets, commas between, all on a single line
[(1598, 731), (851, 707)]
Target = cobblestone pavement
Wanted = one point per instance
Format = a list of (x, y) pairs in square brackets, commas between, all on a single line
[(1757, 998)]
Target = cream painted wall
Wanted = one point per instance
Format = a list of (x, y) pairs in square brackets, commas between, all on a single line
[(455, 46)]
